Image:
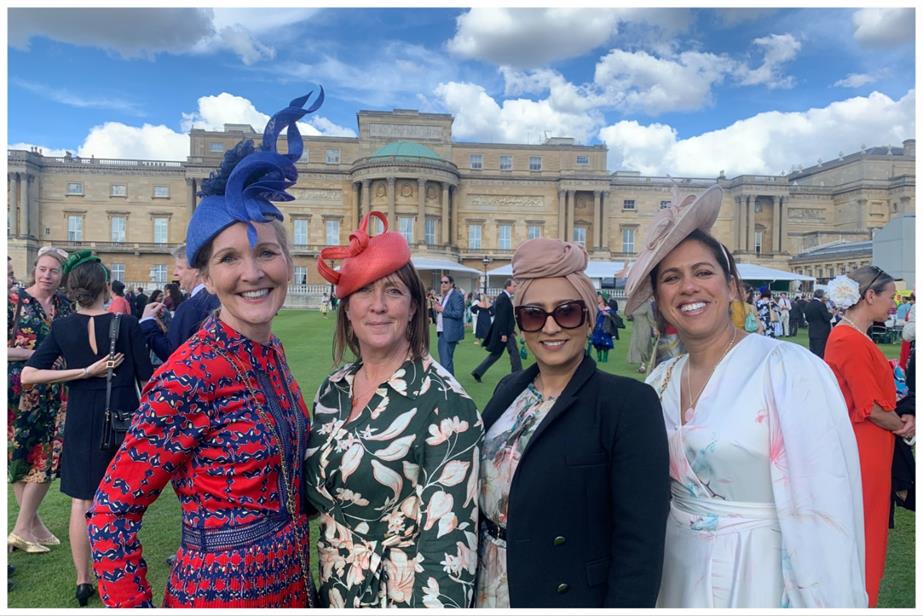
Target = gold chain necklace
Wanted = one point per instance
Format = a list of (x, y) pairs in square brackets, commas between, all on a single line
[(289, 484), (690, 410)]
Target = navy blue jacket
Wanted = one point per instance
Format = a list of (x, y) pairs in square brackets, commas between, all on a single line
[(186, 321), (453, 317)]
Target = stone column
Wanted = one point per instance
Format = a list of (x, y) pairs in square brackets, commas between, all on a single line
[(446, 237), (562, 214), (11, 204), (751, 223), (453, 207), (861, 214), (356, 206), (737, 224), (35, 214), (604, 224), (776, 224), (392, 214), (783, 227), (571, 210), (193, 199), (595, 242), (366, 206), (23, 201), (421, 211)]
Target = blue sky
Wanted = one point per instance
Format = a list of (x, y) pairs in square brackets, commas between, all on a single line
[(681, 91)]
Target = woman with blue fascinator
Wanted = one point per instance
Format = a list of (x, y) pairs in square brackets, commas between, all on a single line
[(223, 418)]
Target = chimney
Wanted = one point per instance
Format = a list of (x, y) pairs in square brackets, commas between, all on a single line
[(910, 147)]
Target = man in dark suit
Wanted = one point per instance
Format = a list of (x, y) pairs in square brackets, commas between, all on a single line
[(501, 335), (140, 303), (188, 316), (795, 315), (818, 318), (450, 324)]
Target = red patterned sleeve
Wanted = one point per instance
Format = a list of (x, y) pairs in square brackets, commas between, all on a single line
[(169, 424)]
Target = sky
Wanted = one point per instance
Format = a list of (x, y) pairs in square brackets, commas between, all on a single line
[(681, 91)]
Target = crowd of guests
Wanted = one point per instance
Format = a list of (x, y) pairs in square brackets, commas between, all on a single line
[(746, 472)]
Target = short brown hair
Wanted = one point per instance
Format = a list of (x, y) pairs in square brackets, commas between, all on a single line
[(417, 330)]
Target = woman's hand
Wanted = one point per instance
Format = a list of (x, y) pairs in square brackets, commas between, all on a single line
[(154, 309), (99, 368), (909, 429)]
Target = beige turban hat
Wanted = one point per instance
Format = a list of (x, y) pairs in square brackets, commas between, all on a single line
[(550, 258)]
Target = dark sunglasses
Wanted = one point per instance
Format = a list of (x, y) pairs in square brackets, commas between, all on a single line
[(871, 285), (568, 316)]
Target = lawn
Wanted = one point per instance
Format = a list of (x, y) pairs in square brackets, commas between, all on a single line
[(47, 580)]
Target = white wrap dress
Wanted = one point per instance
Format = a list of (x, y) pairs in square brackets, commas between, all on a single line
[(767, 502)]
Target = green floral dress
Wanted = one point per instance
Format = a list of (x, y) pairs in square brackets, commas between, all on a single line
[(396, 489), (35, 415)]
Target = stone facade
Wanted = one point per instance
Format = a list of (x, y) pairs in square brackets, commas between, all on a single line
[(462, 201)]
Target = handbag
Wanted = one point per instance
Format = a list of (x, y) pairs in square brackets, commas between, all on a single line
[(115, 422), (750, 323), (523, 351)]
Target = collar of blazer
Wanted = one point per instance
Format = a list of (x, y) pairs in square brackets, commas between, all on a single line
[(514, 384)]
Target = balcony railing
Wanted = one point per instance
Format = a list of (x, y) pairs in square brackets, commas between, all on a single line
[(154, 247)]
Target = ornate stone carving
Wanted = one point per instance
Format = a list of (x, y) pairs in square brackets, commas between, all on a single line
[(317, 194), (405, 131), (406, 190), (432, 193), (497, 202), (806, 213)]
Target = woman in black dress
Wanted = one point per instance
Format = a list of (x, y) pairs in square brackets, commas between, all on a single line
[(484, 311), (82, 339)]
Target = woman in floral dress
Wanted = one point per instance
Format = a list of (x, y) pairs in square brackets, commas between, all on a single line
[(393, 455), (223, 418), (35, 414)]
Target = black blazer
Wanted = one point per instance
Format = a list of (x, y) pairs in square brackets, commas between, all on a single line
[(589, 500), (186, 321), (818, 318), (504, 324)]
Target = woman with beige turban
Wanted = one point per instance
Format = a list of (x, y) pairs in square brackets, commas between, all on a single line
[(574, 484)]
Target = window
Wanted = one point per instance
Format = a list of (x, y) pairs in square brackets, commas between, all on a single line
[(118, 228), (118, 190), (534, 232), (75, 188), (118, 271), (628, 204), (580, 235), (161, 192), (301, 231), (429, 232), (159, 274), (333, 157), (665, 204), (758, 242), (628, 240), (583, 160), (474, 236), (505, 237), (332, 228), (216, 147), (376, 225), (506, 162), (301, 275), (160, 230), (476, 161), (75, 228), (405, 227), (535, 163)]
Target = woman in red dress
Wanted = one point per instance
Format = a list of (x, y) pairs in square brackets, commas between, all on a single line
[(223, 418), (867, 382)]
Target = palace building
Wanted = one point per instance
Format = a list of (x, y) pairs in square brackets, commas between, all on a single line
[(456, 202)]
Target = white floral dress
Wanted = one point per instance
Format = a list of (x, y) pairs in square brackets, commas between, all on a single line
[(396, 489), (767, 497), (500, 455)]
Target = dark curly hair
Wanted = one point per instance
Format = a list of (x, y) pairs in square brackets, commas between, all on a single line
[(218, 179)]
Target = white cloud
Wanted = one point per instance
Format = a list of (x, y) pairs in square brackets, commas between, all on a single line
[(856, 80), (46, 151), (563, 95), (216, 111), (262, 20), (478, 117), (766, 143), (731, 17), (887, 27), (71, 99), (638, 81), (117, 140), (240, 41), (778, 49), (532, 36)]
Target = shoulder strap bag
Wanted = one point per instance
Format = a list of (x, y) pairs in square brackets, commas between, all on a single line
[(115, 422)]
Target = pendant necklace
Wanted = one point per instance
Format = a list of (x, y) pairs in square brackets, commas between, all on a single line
[(690, 410), (854, 326)]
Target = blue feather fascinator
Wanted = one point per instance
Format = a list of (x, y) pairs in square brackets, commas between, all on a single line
[(249, 179)]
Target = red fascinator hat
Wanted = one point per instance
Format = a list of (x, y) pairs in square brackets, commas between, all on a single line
[(365, 259)]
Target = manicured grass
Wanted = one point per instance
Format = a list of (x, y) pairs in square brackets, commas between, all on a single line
[(47, 580)]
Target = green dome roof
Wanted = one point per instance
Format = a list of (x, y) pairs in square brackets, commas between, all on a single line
[(406, 148)]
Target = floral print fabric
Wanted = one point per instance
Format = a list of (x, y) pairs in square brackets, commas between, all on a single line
[(35, 415), (503, 447), (397, 490), (767, 505)]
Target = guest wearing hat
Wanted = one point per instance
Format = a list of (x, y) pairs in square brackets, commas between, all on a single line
[(393, 453), (574, 485), (223, 418), (867, 381), (767, 507), (84, 340)]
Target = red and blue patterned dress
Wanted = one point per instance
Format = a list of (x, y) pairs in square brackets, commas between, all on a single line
[(199, 426)]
